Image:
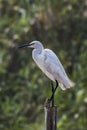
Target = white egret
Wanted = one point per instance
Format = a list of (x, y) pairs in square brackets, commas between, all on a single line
[(49, 63)]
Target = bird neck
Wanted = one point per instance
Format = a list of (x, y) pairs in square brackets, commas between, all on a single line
[(38, 50)]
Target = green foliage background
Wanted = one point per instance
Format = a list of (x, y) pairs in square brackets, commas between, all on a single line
[(60, 25)]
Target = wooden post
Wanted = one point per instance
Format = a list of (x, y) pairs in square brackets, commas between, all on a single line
[(50, 116)]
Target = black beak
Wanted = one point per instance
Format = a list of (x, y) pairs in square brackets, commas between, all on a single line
[(24, 45)]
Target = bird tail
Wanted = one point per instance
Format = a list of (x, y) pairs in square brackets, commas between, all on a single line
[(64, 87)]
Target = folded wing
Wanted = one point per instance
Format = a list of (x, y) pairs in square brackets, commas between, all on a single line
[(55, 68)]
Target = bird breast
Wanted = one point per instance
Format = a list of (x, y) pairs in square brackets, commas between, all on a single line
[(39, 60)]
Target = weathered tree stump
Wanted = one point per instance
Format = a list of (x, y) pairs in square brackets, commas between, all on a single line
[(50, 116)]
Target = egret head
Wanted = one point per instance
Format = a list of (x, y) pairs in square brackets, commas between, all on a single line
[(34, 44)]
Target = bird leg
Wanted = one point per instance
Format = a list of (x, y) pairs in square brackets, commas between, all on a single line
[(52, 97), (53, 92)]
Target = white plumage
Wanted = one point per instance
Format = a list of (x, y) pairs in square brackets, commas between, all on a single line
[(49, 63)]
